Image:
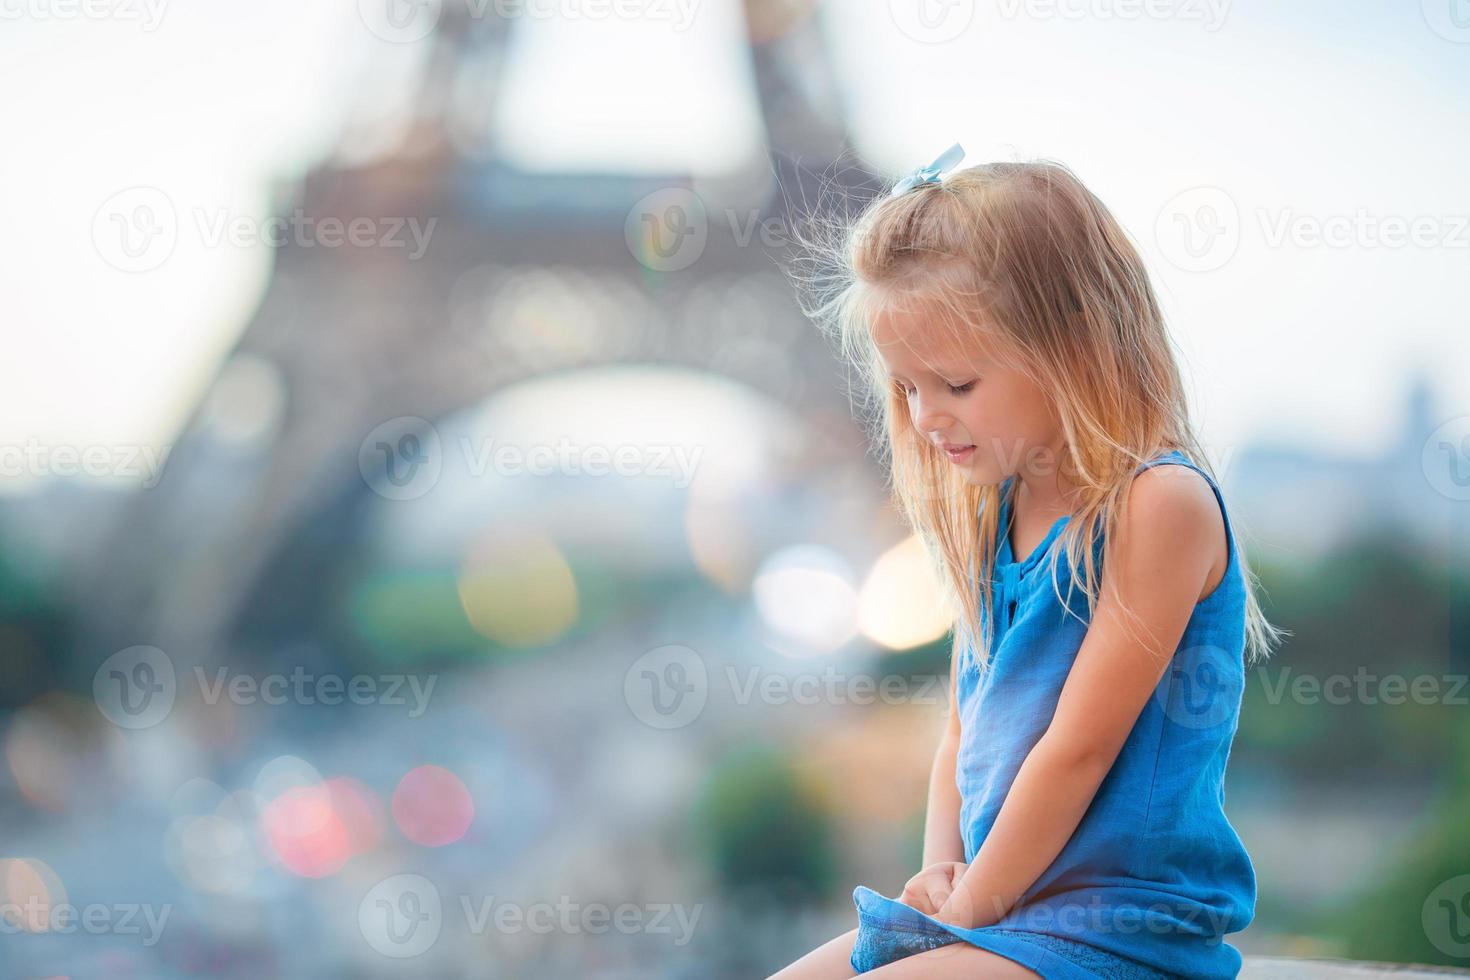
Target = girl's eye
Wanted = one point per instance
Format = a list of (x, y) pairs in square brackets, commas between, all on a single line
[(908, 392)]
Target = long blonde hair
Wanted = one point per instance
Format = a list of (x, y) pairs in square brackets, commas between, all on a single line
[(1027, 255)]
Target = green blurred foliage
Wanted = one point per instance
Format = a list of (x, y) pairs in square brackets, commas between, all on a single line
[(1398, 917), (1376, 608), (764, 830), (37, 636), (1373, 610)]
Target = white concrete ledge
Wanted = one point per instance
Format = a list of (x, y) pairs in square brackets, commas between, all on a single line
[(1291, 968)]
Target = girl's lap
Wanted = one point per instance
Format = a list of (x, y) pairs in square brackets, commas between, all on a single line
[(956, 960), (959, 960)]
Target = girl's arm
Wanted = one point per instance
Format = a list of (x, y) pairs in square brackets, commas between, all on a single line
[(1156, 567), (942, 841)]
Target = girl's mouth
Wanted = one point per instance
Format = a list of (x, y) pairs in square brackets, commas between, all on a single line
[(958, 454)]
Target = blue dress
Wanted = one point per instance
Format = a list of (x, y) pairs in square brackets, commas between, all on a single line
[(1154, 876)]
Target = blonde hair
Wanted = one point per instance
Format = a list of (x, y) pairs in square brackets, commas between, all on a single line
[(1028, 257)]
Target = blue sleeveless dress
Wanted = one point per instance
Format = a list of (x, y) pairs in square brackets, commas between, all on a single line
[(1154, 876)]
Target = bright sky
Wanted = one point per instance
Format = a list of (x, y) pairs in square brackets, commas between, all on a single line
[(1291, 118)]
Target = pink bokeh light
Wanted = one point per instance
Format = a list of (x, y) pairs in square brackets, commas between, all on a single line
[(432, 807)]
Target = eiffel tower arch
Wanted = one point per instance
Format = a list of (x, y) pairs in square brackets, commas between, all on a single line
[(523, 274)]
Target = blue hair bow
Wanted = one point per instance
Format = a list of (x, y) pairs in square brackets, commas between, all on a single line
[(930, 174)]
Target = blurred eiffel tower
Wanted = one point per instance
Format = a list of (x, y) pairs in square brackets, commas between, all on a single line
[(349, 337)]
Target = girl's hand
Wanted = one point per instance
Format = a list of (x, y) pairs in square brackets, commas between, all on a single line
[(928, 890), (957, 910)]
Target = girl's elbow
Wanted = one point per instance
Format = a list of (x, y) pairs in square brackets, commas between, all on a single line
[(1078, 757)]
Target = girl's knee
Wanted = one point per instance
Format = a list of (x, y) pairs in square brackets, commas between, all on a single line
[(954, 961), (829, 961)]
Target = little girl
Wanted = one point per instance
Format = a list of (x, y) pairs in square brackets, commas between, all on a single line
[(1033, 409)]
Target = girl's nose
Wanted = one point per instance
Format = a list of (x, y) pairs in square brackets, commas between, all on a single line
[(928, 418)]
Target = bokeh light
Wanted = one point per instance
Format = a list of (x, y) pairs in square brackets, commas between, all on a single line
[(517, 588), (212, 854), (432, 807), (902, 600), (43, 746), (29, 891), (313, 826), (805, 594), (306, 831)]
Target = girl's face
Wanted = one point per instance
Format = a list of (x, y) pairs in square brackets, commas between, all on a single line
[(990, 420)]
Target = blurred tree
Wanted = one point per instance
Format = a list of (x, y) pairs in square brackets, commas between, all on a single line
[(764, 830), (37, 637), (1400, 917), (1319, 710)]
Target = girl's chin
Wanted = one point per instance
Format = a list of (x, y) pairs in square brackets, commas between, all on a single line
[(977, 475), (982, 475)]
